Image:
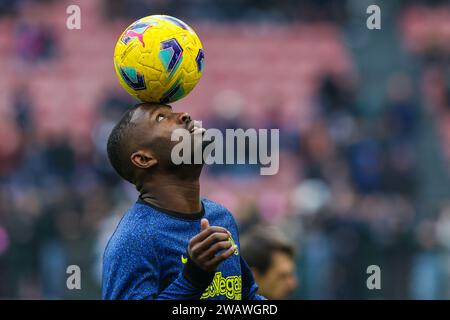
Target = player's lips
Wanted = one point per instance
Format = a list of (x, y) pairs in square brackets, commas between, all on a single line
[(195, 127)]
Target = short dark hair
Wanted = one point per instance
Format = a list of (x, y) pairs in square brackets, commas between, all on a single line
[(117, 146), (260, 243)]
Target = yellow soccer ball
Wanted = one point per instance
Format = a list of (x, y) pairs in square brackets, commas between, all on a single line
[(159, 58)]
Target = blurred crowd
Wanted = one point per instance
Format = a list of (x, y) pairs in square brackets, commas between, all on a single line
[(349, 193)]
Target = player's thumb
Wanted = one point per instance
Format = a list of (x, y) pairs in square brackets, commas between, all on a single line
[(204, 224)]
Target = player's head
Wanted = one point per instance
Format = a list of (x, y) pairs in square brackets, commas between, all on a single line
[(271, 259), (140, 144)]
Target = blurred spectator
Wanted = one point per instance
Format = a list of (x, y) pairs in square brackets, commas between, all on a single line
[(400, 127), (35, 42), (426, 270), (23, 109), (271, 260)]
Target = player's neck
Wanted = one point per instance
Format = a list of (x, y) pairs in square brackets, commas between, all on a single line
[(182, 196)]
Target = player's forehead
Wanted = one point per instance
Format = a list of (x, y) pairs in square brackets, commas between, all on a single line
[(145, 111)]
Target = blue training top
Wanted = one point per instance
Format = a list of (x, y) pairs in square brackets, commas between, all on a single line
[(146, 257)]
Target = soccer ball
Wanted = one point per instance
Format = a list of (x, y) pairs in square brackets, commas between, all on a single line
[(159, 58)]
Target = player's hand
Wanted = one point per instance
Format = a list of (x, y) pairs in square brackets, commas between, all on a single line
[(203, 248)]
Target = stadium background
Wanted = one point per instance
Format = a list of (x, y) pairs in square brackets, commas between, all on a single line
[(365, 137)]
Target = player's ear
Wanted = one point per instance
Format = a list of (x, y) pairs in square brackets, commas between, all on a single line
[(143, 159)]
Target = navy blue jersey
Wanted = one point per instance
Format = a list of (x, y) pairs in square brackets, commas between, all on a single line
[(146, 257)]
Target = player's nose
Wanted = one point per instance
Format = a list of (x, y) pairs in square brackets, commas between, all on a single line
[(184, 117)]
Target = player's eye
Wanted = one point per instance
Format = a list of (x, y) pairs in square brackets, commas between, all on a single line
[(159, 118)]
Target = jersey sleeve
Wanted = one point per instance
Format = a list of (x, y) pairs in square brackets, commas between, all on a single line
[(249, 286), (131, 271), (190, 283)]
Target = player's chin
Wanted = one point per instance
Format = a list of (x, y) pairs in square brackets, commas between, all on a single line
[(197, 131), (197, 135), (198, 152)]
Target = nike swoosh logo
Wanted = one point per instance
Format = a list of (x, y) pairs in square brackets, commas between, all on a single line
[(183, 259)]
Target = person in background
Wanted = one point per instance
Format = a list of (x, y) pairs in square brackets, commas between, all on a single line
[(271, 259)]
